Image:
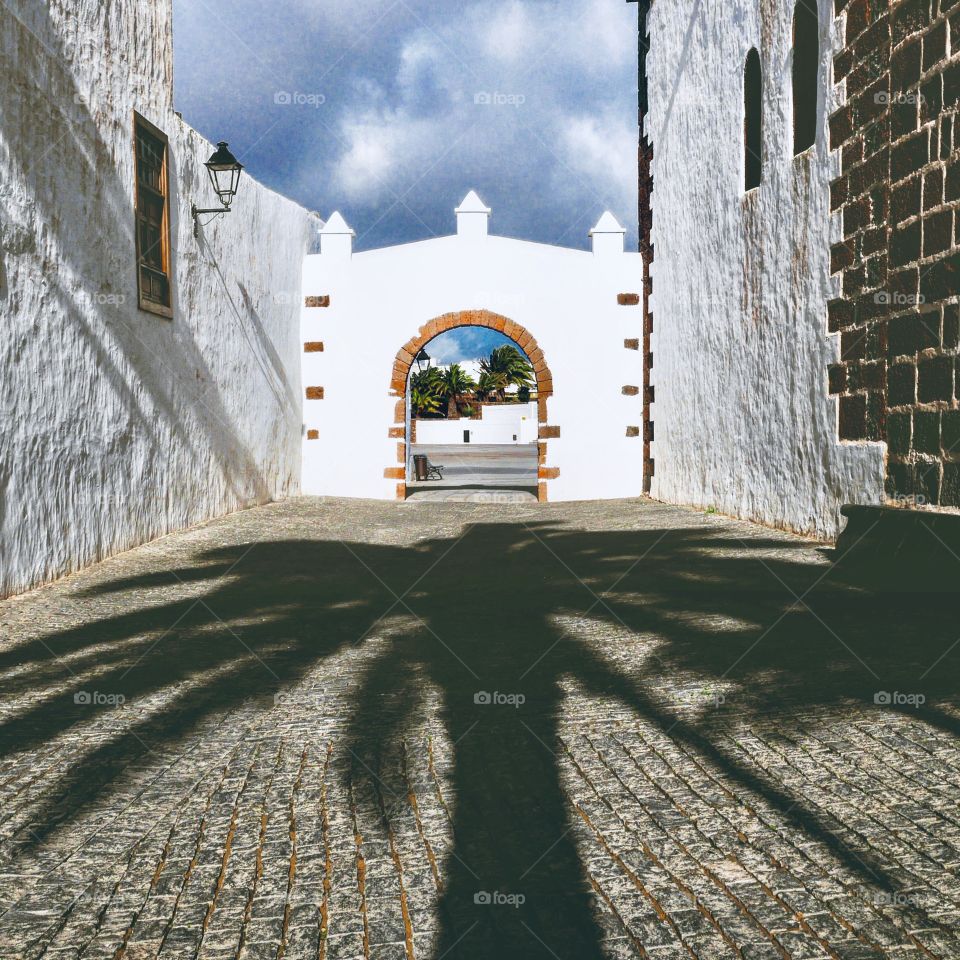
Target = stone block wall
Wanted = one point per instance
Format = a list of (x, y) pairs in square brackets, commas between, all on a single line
[(897, 200)]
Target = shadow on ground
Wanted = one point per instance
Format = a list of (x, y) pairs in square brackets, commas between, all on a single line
[(792, 636)]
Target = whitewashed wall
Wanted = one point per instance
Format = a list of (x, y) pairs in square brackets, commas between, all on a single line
[(740, 283), (567, 299), (118, 426), (513, 423)]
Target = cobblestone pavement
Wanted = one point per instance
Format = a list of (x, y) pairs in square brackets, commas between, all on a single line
[(327, 730)]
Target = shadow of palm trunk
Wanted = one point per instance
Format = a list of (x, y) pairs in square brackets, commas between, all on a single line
[(514, 884), (517, 886)]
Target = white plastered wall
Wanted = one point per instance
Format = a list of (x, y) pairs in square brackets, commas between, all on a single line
[(119, 426), (741, 282)]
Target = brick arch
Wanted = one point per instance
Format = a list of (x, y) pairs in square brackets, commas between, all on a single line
[(400, 380)]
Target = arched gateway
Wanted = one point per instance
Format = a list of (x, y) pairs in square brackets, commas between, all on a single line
[(407, 354), (582, 306)]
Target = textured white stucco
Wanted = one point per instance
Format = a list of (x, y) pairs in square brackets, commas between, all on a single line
[(742, 416), (119, 426), (567, 299)]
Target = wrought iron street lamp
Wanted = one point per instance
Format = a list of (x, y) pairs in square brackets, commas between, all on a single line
[(224, 170), (422, 358)]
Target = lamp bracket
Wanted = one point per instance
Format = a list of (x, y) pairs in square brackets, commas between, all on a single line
[(196, 213)]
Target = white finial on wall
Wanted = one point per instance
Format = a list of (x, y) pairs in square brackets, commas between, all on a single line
[(336, 237), (473, 217), (608, 236)]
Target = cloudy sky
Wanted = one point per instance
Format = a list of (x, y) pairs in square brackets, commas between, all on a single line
[(466, 343), (390, 110)]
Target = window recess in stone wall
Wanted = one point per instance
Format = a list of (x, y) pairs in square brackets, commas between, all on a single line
[(152, 202), (753, 121), (806, 67)]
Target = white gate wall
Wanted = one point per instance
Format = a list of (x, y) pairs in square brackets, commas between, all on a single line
[(567, 299)]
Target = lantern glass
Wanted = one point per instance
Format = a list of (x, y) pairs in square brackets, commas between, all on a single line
[(225, 170)]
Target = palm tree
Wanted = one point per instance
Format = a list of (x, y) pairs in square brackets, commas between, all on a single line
[(426, 392), (515, 369), (489, 383), (456, 382)]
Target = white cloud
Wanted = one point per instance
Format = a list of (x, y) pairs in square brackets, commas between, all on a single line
[(600, 39), (508, 32), (590, 156), (419, 63), (383, 153), (602, 148), (465, 345), (541, 36), (386, 147), (363, 169), (457, 346)]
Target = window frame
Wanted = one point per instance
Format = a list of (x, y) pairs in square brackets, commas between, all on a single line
[(141, 123)]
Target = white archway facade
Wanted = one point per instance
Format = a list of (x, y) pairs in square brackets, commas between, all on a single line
[(576, 313)]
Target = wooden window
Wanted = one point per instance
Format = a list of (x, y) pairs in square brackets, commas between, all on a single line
[(806, 66), (154, 267), (753, 120)]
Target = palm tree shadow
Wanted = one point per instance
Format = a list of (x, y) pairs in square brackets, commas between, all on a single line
[(483, 624), (512, 821)]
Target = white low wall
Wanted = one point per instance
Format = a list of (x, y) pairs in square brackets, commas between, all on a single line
[(501, 424), (119, 426)]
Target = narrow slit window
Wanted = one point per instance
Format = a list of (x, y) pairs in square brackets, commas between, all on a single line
[(753, 120), (806, 66), (152, 218)]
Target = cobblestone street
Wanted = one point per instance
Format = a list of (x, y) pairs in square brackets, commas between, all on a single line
[(334, 729)]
